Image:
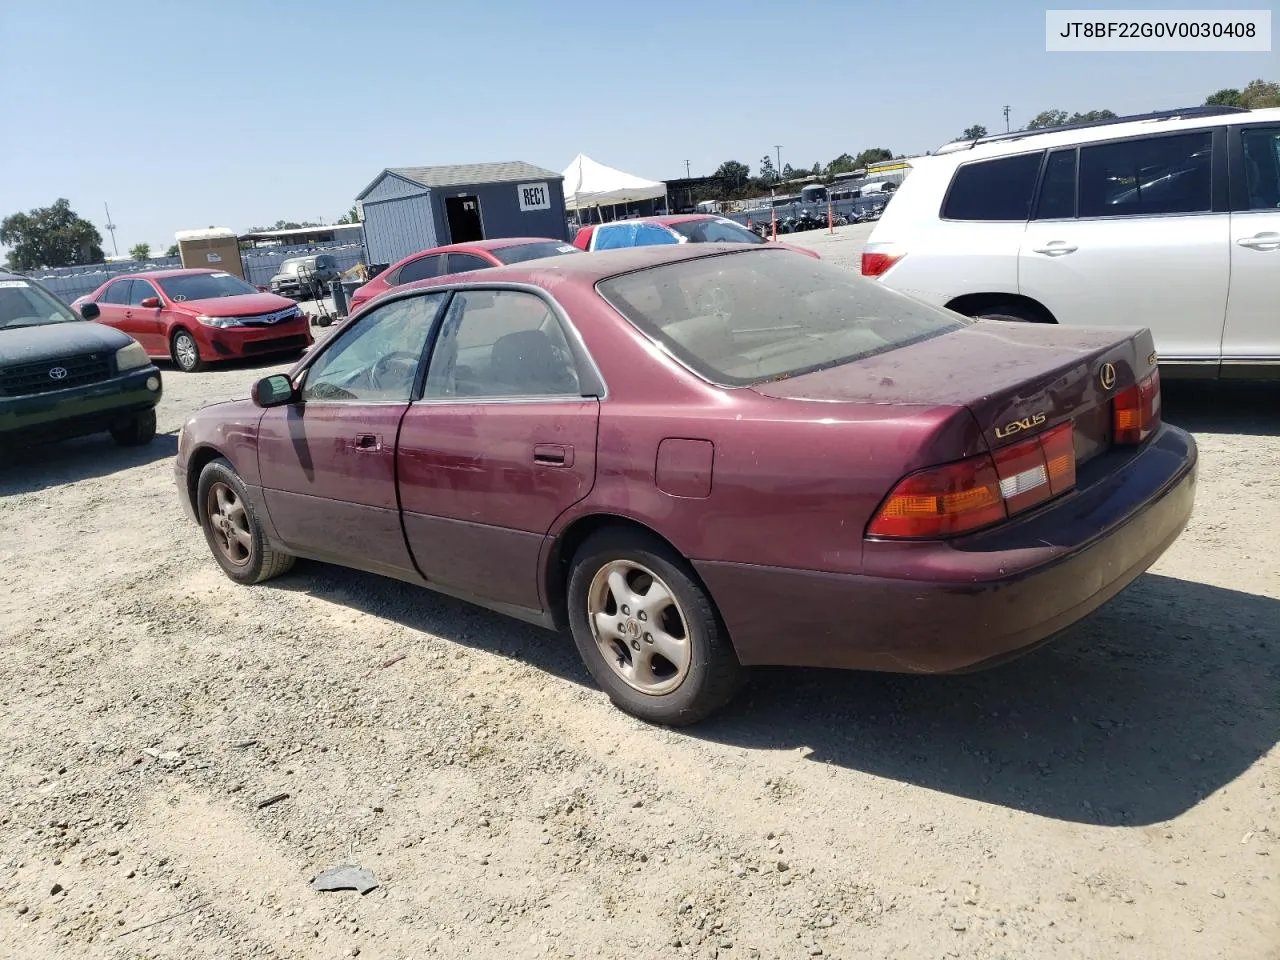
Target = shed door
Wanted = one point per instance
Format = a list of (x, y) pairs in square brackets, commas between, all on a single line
[(463, 214)]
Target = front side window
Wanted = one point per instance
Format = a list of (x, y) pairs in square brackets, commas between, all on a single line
[(1156, 175), (993, 189), (1262, 167), (744, 318), (140, 291), (501, 343), (377, 359)]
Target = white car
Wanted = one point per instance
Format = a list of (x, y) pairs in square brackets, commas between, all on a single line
[(1169, 221)]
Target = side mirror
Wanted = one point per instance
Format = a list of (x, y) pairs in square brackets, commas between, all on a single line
[(90, 310), (150, 303), (274, 391)]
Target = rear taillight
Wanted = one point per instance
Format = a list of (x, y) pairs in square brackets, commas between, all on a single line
[(877, 258), (982, 490), (1135, 411)]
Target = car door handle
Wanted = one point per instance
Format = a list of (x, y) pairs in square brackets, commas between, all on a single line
[(553, 454), (367, 443), (1261, 241), (1055, 248)]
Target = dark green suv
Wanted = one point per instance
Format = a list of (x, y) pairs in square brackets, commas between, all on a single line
[(63, 377)]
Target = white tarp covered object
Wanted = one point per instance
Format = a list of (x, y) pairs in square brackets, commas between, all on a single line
[(590, 184)]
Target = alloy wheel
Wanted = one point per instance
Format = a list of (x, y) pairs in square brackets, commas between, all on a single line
[(229, 522), (638, 625)]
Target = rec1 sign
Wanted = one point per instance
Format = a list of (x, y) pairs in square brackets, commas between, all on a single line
[(534, 196)]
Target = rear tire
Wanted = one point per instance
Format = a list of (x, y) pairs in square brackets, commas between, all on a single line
[(185, 352), (137, 431), (647, 630), (234, 532)]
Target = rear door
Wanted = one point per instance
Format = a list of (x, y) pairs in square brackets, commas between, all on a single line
[(1135, 233), (502, 442), (113, 302), (327, 463), (145, 324), (1252, 335)]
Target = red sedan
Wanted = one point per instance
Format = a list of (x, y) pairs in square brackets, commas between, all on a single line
[(675, 228), (702, 457), (193, 317), (458, 258)]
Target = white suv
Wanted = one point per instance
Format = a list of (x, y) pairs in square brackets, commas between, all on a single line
[(1169, 221)]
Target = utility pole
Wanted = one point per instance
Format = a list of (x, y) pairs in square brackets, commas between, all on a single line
[(778, 169), (1006, 118), (111, 228), (687, 174)]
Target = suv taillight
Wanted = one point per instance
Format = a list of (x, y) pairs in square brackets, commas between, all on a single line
[(977, 492), (1135, 411), (877, 258)]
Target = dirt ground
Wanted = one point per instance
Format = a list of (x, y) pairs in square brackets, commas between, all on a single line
[(1114, 794)]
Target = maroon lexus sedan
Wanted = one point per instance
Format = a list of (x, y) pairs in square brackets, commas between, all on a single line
[(699, 458)]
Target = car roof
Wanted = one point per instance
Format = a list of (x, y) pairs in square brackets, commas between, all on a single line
[(665, 219), (1047, 139), (163, 274), (589, 269)]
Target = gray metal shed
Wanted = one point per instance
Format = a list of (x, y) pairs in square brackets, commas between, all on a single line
[(407, 209)]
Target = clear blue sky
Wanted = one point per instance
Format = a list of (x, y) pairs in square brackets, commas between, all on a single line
[(242, 112)]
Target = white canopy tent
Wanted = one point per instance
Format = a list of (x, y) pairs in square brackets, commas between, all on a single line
[(591, 184)]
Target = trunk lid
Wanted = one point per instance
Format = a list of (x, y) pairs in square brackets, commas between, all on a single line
[(1015, 378)]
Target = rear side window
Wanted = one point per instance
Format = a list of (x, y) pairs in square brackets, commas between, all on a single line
[(1058, 189), (462, 262), (118, 292), (993, 189), (1157, 175), (419, 269)]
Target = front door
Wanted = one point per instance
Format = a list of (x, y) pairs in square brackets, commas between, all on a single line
[(1144, 243), (328, 462), (463, 214), (145, 323), (1252, 332), (501, 444)]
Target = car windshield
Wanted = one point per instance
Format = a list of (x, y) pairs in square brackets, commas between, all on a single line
[(744, 318), (23, 304), (204, 286), (715, 231), (533, 251)]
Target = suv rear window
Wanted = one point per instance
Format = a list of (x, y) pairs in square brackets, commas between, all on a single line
[(1145, 177), (993, 189)]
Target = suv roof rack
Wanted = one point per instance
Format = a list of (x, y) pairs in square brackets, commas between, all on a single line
[(1175, 114)]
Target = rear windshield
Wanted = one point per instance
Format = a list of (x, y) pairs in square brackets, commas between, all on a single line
[(715, 231), (534, 251), (204, 286), (743, 318)]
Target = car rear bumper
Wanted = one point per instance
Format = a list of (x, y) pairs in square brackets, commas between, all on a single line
[(78, 411), (1020, 585)]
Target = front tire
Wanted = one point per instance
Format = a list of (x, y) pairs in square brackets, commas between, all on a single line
[(232, 529), (647, 630), (186, 352), (137, 431)]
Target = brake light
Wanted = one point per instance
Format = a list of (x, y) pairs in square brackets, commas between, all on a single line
[(982, 490), (1135, 410), (877, 258)]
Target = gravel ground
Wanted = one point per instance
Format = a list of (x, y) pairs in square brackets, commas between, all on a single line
[(1112, 795)]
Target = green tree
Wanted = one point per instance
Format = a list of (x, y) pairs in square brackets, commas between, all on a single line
[(788, 171), (767, 173), (173, 250), (53, 236), (1226, 97), (1047, 118), (873, 155), (1091, 116), (1260, 94), (140, 251), (973, 133), (351, 216), (841, 164)]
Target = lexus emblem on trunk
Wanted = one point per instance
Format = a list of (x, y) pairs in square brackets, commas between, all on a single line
[(1107, 376), (57, 373)]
